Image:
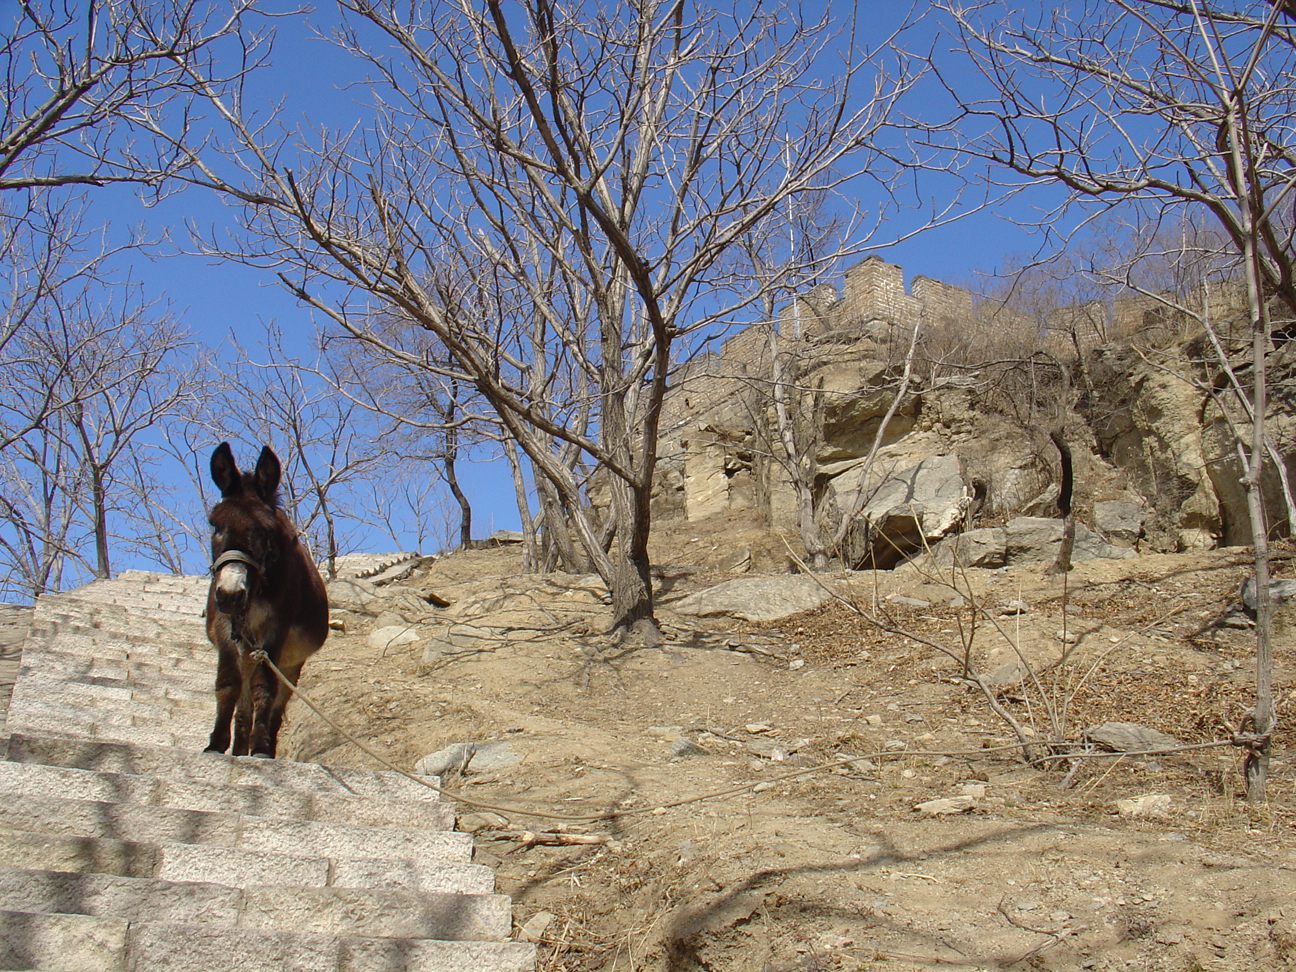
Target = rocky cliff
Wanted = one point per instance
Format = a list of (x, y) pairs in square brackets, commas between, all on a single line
[(966, 443)]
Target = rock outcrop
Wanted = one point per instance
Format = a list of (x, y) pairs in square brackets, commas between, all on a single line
[(960, 449)]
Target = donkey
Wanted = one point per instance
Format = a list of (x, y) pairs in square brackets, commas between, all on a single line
[(265, 594)]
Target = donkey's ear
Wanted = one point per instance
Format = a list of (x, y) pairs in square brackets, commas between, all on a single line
[(224, 471), (267, 475)]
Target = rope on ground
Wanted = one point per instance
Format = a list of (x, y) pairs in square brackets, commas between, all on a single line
[(260, 656)]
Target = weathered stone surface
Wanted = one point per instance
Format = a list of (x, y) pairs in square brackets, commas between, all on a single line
[(756, 598), (1282, 591), (1149, 805), (983, 547), (908, 508), (1120, 521), (946, 805), (393, 636), (1032, 539), (353, 594), (1127, 737)]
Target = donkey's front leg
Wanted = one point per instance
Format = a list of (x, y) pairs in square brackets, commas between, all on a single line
[(229, 685)]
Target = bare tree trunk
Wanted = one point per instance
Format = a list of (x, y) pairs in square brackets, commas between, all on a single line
[(530, 552), (1256, 768), (800, 464), (1062, 564)]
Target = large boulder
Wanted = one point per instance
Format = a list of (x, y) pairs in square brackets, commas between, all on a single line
[(984, 547), (1120, 521), (908, 508), (756, 598), (1031, 539)]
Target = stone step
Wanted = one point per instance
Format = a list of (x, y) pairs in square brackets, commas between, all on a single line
[(110, 688), (118, 708), (53, 666), (81, 943), (126, 821), (68, 646), (62, 612), (236, 867), (78, 943), (50, 665), (324, 911), (200, 767), (32, 719), (34, 779), (103, 722)]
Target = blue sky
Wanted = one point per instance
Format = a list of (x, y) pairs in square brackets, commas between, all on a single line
[(310, 78)]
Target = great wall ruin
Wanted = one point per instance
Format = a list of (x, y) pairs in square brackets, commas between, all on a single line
[(721, 453)]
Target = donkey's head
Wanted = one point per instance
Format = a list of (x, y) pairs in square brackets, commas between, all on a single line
[(248, 532)]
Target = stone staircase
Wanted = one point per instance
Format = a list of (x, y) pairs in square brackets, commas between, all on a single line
[(125, 848)]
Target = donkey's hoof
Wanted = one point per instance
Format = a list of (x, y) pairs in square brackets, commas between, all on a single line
[(260, 755)]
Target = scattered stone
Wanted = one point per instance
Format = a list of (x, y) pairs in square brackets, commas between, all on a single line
[(914, 717), (737, 561), (1151, 805), (475, 822), (455, 758), (756, 598), (1281, 591), (432, 654), (502, 537), (982, 547), (1127, 737), (470, 636), (1013, 608), (767, 750), (873, 720), (1066, 637), (684, 746), (353, 594), (1119, 520), (392, 636), (337, 624), (976, 791), (758, 727), (895, 745), (1009, 673), (917, 602), (1036, 539), (796, 663), (535, 927), (946, 805)]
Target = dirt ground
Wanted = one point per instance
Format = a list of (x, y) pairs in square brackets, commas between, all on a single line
[(766, 775), (819, 863)]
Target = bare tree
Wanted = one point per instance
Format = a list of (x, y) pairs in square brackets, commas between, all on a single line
[(85, 86), (329, 442), (1162, 105), (601, 161), (89, 370)]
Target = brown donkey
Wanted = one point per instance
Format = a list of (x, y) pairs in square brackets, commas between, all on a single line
[(265, 594)]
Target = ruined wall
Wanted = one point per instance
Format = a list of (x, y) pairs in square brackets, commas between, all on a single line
[(720, 451)]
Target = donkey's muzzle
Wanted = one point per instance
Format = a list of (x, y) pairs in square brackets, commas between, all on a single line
[(232, 589)]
